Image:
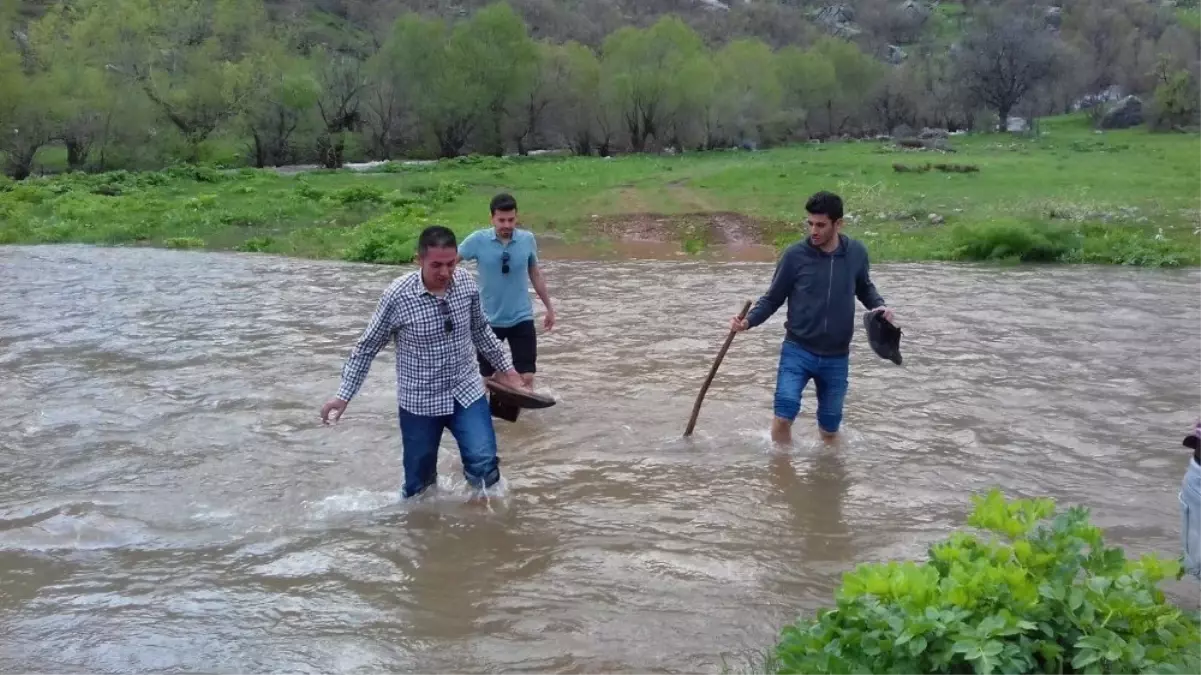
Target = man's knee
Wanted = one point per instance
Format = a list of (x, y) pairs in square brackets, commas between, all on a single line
[(786, 407), (829, 414), (476, 437), (830, 401)]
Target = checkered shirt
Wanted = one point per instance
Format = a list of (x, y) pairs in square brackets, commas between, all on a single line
[(434, 368)]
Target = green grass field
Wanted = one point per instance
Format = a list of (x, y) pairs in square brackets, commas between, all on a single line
[(1071, 195)]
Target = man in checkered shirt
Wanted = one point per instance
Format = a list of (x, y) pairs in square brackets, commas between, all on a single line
[(437, 322)]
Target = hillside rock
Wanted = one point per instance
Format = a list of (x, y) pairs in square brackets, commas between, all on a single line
[(1110, 94), (1053, 18), (838, 20), (917, 10), (1124, 114)]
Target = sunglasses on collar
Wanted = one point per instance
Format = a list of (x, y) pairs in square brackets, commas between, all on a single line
[(447, 323)]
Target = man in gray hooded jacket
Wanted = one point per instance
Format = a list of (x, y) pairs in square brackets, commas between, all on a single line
[(820, 277)]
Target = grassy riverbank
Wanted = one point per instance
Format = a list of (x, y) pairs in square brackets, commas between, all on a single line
[(1071, 195)]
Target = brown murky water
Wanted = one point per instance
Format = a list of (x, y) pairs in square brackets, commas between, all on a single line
[(170, 502)]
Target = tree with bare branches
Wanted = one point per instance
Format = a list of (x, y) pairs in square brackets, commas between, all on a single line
[(1003, 58)]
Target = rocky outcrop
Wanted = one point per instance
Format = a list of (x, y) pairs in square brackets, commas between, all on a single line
[(1124, 114), (917, 10), (837, 20), (1053, 18)]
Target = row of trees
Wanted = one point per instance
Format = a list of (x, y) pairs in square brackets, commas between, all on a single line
[(136, 83)]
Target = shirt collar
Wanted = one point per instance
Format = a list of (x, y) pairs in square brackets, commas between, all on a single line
[(419, 288), (496, 237)]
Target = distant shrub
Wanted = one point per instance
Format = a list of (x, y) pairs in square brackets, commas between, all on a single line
[(184, 242), (1096, 243), (1046, 596), (1128, 246), (390, 239), (1013, 240), (305, 190), (255, 245), (358, 194), (28, 192), (1175, 105), (198, 173), (438, 192)]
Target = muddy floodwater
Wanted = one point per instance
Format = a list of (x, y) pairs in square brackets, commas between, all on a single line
[(169, 500)]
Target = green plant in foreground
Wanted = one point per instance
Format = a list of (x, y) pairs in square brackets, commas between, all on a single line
[(1046, 596)]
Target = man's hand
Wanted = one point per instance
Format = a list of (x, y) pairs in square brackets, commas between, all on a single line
[(887, 314), (336, 406), (738, 325), (511, 378), (548, 322)]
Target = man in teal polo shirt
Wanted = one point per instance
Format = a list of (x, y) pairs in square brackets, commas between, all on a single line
[(507, 262)]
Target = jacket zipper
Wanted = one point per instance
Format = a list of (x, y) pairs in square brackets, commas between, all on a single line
[(829, 288)]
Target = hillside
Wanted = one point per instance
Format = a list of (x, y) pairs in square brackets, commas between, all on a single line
[(125, 84)]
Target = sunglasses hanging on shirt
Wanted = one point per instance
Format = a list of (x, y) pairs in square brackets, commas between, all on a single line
[(448, 324)]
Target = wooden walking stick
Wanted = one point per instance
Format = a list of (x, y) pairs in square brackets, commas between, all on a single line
[(696, 408)]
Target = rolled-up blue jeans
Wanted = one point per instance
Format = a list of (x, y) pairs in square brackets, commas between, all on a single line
[(829, 374), (472, 428), (1190, 518)]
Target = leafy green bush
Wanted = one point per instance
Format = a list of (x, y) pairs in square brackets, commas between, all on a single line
[(305, 190), (1121, 246), (1046, 597), (1099, 243), (184, 242), (390, 239), (197, 172), (1013, 239), (256, 245), (358, 194)]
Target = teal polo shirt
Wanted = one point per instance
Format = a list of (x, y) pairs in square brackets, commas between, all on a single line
[(506, 297)]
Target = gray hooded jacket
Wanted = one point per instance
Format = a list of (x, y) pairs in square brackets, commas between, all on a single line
[(821, 289)]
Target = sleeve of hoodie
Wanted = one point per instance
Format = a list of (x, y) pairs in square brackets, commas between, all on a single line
[(865, 290), (781, 285)]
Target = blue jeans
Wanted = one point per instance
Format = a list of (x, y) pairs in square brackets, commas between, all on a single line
[(472, 429), (829, 374), (1190, 518)]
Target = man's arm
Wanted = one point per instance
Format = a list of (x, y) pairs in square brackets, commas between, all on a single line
[(781, 285), (539, 282), (374, 337), (865, 290), (467, 248), (485, 340)]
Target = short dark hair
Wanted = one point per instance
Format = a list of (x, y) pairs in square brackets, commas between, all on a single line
[(825, 204), (436, 236), (503, 202)]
